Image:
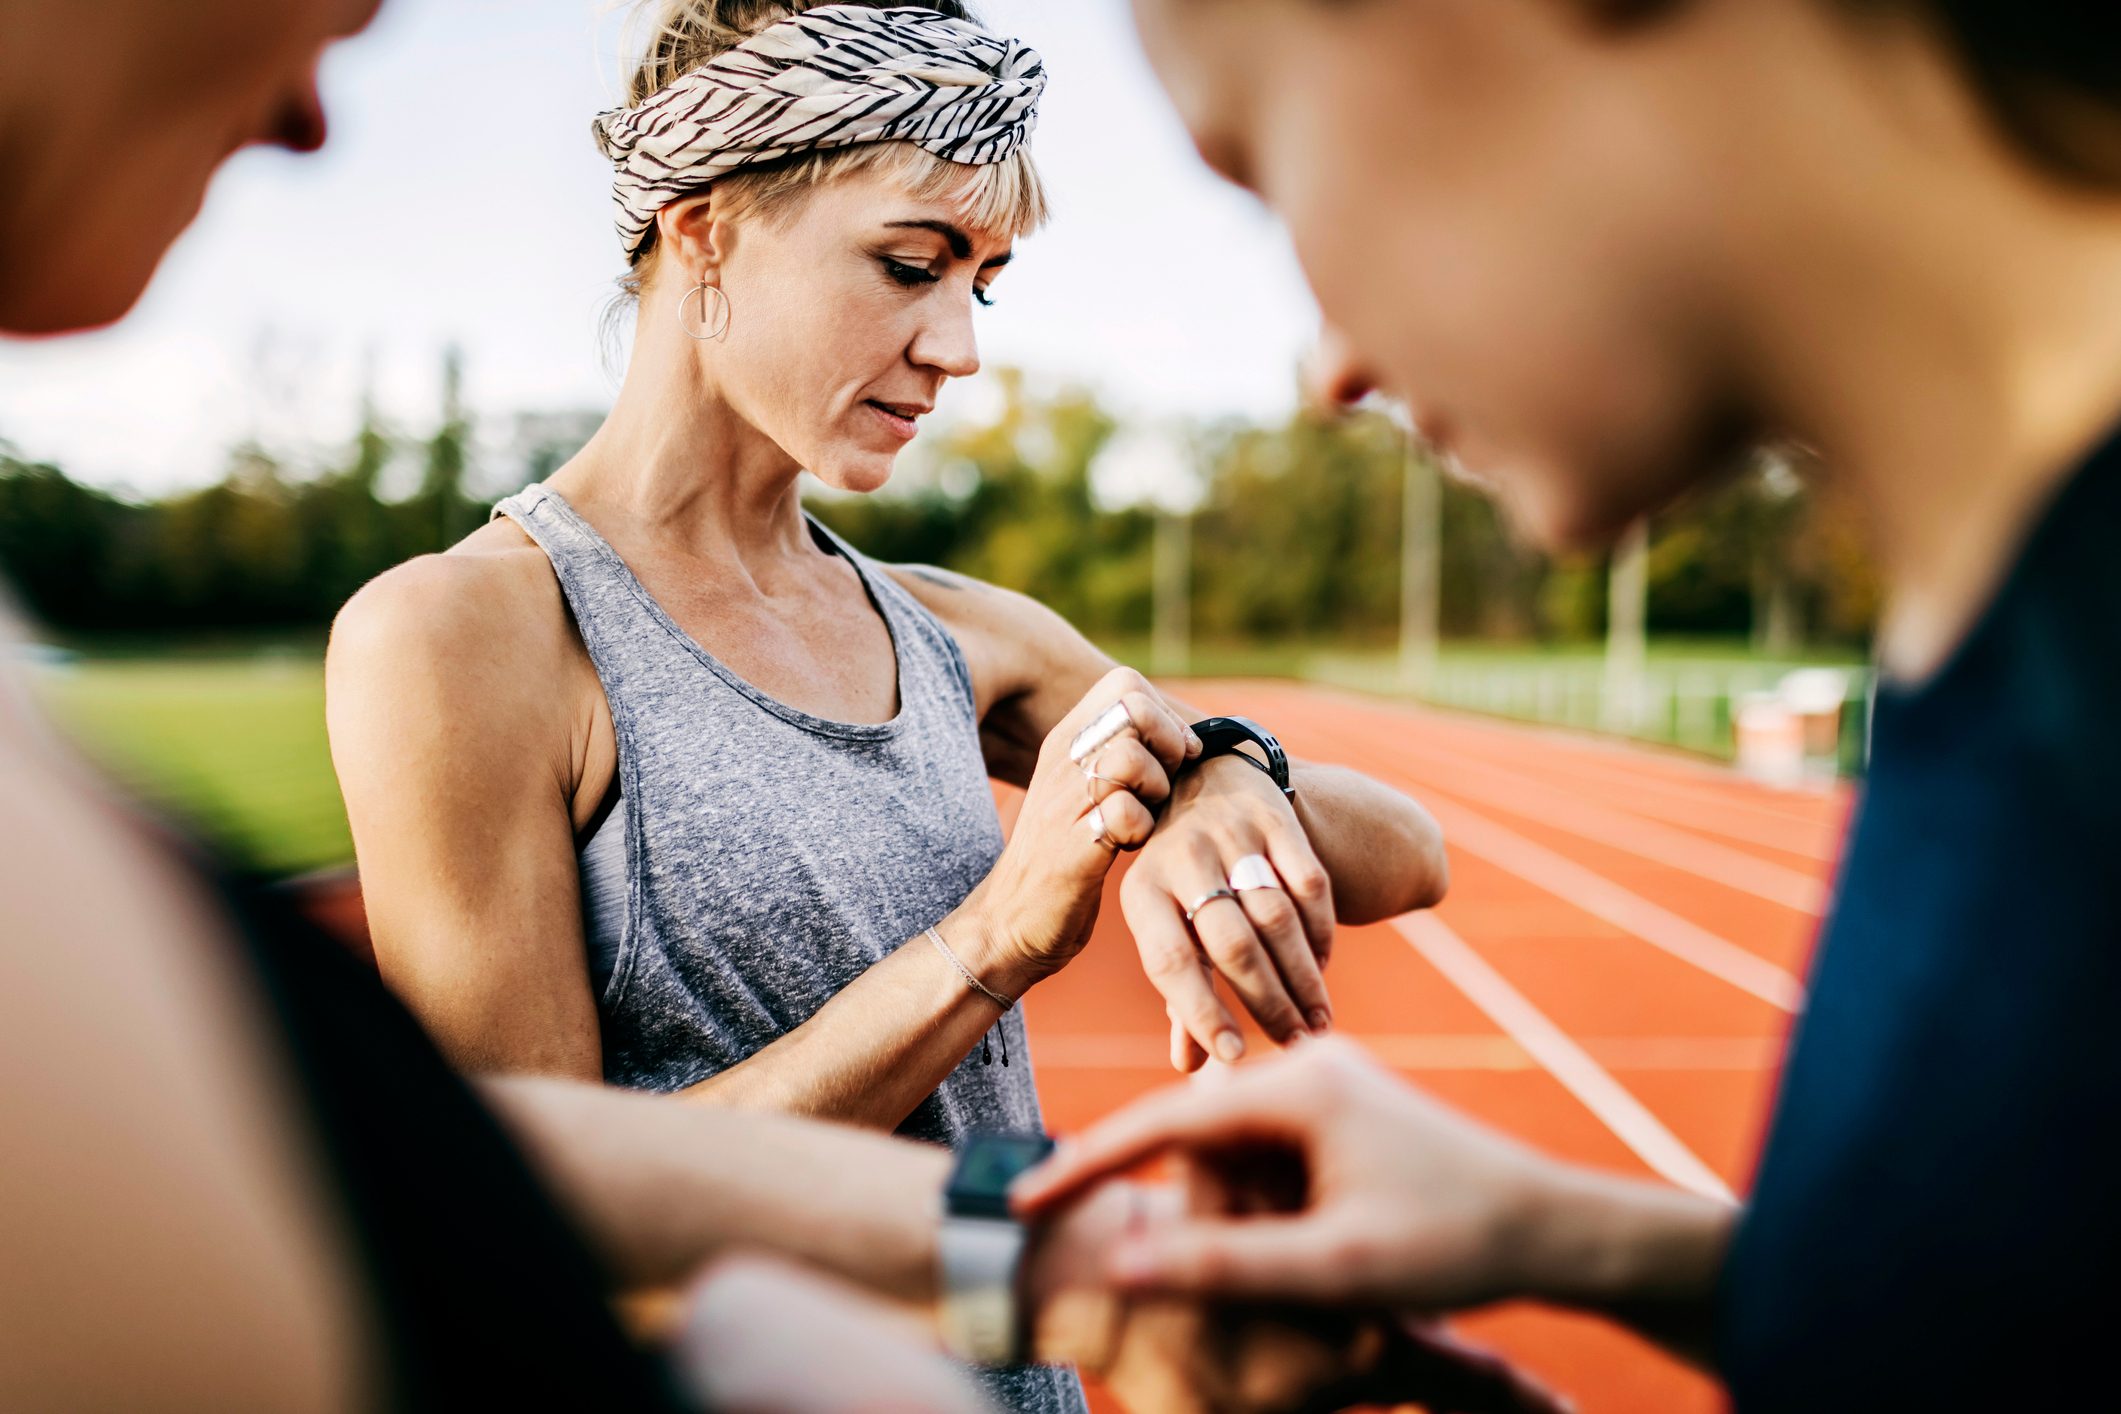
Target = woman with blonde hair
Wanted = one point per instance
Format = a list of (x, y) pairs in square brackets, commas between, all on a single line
[(655, 778)]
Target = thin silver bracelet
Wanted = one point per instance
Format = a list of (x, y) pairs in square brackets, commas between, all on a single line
[(965, 972)]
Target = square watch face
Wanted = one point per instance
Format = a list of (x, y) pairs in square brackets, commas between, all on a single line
[(986, 1165)]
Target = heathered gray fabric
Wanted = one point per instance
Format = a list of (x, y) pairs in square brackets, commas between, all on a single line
[(772, 856), (600, 867)]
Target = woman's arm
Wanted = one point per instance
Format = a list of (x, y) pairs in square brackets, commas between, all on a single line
[(660, 1189), (1349, 848), (654, 1187), (1382, 851), (461, 767), (885, 1041), (451, 699)]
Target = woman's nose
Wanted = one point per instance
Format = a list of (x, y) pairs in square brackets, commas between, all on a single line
[(947, 342), (1334, 375), (298, 123)]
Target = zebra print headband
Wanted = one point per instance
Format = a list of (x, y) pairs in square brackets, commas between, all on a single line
[(834, 76)]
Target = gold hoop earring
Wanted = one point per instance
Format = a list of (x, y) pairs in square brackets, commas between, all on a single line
[(713, 317)]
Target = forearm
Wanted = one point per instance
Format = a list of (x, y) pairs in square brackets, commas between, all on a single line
[(661, 1187), (1644, 1254), (885, 1041), (1383, 850)]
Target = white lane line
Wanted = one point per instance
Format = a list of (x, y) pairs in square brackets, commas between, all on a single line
[(1818, 843), (1595, 763), (1638, 835), (1076, 1050), (1434, 1051), (1566, 1061), (1626, 910)]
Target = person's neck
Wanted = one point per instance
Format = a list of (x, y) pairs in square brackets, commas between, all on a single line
[(1948, 337), (675, 461)]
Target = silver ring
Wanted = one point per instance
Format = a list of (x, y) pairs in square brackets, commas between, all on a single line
[(1098, 831), (1089, 763), (1254, 871), (1107, 725), (1205, 899)]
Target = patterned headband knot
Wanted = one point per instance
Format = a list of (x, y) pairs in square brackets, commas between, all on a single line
[(833, 76)]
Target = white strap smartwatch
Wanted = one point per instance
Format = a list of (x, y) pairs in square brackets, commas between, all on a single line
[(981, 1249)]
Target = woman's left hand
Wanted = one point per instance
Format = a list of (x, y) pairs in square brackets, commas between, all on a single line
[(1229, 884)]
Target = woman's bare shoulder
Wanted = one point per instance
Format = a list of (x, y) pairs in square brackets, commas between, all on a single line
[(483, 622), (965, 604), (1006, 636)]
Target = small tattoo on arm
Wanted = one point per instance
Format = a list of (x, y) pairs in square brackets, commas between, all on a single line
[(941, 579)]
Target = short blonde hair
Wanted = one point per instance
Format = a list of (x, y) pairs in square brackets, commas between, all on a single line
[(681, 35)]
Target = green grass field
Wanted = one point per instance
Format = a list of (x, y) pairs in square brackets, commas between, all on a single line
[(235, 747), (233, 741)]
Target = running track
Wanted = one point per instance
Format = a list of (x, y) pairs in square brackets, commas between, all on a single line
[(1611, 978)]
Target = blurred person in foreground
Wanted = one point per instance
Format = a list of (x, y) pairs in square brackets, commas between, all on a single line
[(239, 1176), (654, 779), (1602, 249)]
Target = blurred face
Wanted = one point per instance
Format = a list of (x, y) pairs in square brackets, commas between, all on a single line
[(136, 104), (1503, 210), (846, 320)]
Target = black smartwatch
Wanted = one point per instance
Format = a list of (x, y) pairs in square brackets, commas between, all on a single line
[(1228, 736), (981, 1246)]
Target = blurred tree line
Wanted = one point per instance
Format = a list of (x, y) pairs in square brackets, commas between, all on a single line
[(1296, 535), (260, 549)]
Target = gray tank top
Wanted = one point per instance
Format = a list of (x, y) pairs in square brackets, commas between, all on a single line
[(770, 857)]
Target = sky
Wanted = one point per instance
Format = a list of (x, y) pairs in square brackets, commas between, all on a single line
[(460, 201)]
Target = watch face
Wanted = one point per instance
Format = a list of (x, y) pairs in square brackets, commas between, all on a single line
[(986, 1166)]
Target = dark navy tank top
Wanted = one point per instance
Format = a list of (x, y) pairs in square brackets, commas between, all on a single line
[(1937, 1218)]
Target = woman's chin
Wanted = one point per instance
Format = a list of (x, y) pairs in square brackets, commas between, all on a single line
[(857, 476)]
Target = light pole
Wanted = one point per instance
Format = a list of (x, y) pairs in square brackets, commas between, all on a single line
[(1420, 567), (1152, 465), (1171, 645), (1626, 645)]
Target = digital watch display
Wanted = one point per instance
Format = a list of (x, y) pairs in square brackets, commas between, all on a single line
[(981, 1246)]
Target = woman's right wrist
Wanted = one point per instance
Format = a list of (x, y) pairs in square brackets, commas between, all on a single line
[(988, 951), (1603, 1243)]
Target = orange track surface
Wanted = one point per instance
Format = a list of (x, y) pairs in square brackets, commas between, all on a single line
[(1657, 911)]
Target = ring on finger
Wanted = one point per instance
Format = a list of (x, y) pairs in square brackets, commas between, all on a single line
[(1089, 763), (1099, 831), (1193, 909), (1107, 725), (1254, 871)]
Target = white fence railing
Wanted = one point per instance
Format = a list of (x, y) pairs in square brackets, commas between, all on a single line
[(1692, 705)]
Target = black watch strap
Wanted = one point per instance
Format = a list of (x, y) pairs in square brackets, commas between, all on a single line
[(1227, 736)]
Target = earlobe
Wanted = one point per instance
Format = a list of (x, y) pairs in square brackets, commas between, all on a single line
[(692, 229)]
